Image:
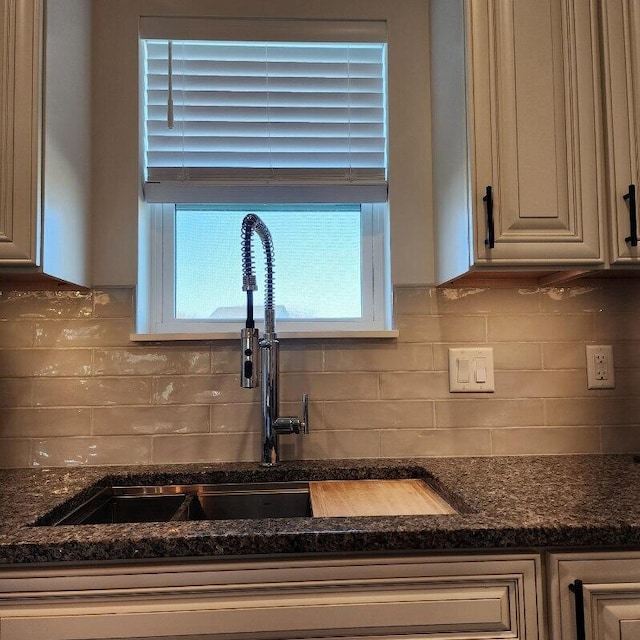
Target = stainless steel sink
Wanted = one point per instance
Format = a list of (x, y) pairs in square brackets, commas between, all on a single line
[(164, 503), (260, 500)]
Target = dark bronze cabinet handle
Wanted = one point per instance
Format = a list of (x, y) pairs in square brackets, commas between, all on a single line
[(576, 588), (632, 238), (488, 199)]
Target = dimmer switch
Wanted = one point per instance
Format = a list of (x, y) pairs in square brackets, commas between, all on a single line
[(471, 370)]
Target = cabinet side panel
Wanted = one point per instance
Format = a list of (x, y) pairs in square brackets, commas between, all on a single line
[(449, 139), (67, 152)]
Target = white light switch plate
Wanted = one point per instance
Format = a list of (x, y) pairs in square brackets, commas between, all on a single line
[(471, 370)]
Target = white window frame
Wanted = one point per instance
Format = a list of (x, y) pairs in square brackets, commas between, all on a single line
[(376, 298)]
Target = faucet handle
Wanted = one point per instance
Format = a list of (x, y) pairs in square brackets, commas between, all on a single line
[(305, 414), (294, 424)]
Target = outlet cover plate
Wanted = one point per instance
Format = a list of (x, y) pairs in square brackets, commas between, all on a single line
[(600, 368)]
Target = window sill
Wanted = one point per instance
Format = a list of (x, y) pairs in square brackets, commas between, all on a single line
[(385, 334)]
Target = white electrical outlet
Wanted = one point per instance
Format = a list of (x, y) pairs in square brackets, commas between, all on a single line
[(600, 371)]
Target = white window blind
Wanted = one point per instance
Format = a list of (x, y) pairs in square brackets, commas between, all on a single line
[(266, 121)]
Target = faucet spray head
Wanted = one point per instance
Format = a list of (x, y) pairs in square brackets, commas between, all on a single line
[(249, 355)]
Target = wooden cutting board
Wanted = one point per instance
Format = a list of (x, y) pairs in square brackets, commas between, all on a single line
[(341, 498)]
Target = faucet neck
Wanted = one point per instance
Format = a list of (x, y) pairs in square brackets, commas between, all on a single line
[(250, 224)]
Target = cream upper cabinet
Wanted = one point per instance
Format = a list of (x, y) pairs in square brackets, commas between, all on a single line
[(20, 38), (518, 168), (621, 48), (594, 596), (45, 153)]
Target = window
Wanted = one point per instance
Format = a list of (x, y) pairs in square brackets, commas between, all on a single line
[(291, 129)]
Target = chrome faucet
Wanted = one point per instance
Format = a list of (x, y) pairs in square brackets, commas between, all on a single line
[(265, 350)]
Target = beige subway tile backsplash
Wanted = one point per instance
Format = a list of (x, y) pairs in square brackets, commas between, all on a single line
[(435, 328), (620, 439), (385, 414), (113, 303), (24, 363), (580, 298), (83, 333), (189, 389), (16, 392), (595, 411), (146, 420), (486, 301), (545, 440), (564, 355), (144, 361), (325, 445), (62, 452), (30, 422), (436, 442), (540, 328), (329, 386), (614, 326), (14, 335), (206, 448), (74, 390), (389, 355), (15, 452), (46, 304), (488, 412)]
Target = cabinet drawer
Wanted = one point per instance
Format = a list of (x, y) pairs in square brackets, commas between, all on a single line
[(445, 598)]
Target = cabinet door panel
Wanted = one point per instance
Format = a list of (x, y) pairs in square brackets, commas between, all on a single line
[(611, 595), (20, 22), (621, 35), (534, 100), (619, 620)]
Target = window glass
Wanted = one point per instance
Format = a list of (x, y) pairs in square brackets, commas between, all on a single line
[(318, 262)]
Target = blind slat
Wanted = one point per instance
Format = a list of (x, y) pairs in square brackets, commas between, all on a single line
[(157, 113), (277, 129), (282, 159)]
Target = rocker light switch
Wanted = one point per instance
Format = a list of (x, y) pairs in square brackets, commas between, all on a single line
[(471, 370), (481, 370), (463, 369)]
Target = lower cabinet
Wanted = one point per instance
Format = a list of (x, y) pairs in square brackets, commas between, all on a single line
[(435, 598), (605, 588)]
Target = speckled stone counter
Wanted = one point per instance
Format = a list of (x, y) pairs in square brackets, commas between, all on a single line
[(504, 503)]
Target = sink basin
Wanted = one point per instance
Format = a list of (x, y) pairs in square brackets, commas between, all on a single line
[(110, 506), (261, 500), (165, 503)]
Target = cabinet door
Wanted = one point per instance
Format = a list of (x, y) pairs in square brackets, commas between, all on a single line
[(535, 130), (20, 41), (621, 39), (610, 590)]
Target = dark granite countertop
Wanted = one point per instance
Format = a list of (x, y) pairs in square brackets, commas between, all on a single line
[(504, 503)]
